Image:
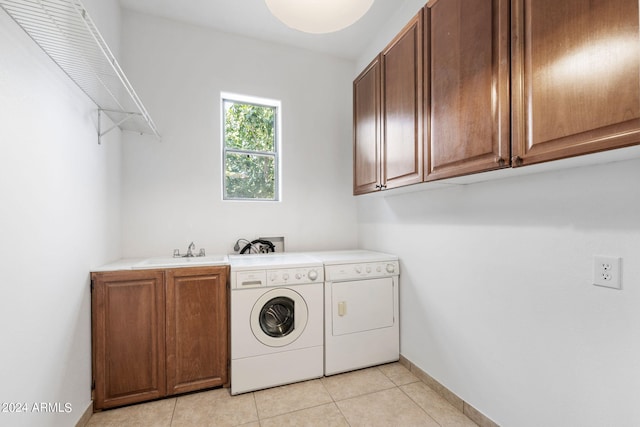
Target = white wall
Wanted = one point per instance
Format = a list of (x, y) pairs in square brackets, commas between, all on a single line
[(60, 216), (496, 296), (172, 188)]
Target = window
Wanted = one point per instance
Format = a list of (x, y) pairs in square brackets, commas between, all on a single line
[(250, 134)]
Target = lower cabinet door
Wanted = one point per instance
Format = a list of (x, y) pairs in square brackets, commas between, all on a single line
[(197, 333), (128, 337)]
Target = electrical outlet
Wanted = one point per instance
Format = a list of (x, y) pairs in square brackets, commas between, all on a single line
[(607, 271)]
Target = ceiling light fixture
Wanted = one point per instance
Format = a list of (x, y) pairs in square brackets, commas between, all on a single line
[(318, 16)]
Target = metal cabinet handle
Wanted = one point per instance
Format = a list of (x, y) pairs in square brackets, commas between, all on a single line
[(516, 161)]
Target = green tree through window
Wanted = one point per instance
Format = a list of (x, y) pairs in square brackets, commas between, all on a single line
[(250, 150)]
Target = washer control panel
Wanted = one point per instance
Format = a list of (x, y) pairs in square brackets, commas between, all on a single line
[(362, 270), (276, 277)]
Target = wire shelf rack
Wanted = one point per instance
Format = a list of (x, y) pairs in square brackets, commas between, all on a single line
[(66, 33)]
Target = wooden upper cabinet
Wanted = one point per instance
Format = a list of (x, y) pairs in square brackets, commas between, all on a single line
[(402, 107), (387, 115), (128, 337), (197, 346), (466, 77), (366, 125), (576, 77)]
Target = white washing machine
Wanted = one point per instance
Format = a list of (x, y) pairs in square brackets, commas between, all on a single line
[(361, 309), (277, 311)]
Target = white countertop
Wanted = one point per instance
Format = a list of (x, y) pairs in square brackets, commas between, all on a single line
[(251, 261), (163, 262)]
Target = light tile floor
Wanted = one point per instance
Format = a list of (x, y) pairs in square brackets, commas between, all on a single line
[(387, 395)]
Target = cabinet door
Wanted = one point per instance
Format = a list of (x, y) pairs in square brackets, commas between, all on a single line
[(366, 130), (402, 107), (128, 337), (467, 87), (197, 332), (576, 77)]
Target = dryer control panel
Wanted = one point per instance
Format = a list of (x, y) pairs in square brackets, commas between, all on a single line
[(341, 272)]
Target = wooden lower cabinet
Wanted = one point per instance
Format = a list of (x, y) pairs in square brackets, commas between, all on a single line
[(158, 332), (128, 337), (197, 339)]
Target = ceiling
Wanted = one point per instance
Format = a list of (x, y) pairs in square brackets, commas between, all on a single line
[(252, 18)]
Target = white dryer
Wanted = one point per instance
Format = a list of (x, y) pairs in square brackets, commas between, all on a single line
[(361, 309), (276, 320)]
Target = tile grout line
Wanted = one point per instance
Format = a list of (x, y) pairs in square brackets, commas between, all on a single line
[(255, 405), (302, 409), (173, 413), (403, 392), (418, 405), (364, 394), (335, 402)]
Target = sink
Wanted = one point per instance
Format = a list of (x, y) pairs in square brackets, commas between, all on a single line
[(168, 262)]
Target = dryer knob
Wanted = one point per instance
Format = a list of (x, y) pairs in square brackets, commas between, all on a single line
[(358, 269), (313, 275), (273, 276), (391, 268), (298, 276), (285, 276)]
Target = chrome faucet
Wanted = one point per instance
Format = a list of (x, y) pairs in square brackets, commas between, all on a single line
[(190, 249)]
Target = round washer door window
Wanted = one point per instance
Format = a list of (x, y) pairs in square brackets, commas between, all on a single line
[(279, 317)]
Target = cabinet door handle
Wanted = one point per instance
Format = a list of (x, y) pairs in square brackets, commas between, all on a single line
[(499, 160), (516, 161)]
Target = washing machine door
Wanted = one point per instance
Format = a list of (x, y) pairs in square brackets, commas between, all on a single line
[(279, 317)]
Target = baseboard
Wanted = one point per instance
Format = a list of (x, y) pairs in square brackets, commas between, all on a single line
[(471, 412), (84, 419)]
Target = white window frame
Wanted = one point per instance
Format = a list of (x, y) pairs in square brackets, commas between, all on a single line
[(246, 99)]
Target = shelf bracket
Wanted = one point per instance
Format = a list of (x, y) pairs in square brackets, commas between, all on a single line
[(66, 33), (116, 124)]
